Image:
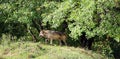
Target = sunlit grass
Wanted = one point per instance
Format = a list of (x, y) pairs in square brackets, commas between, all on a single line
[(28, 50)]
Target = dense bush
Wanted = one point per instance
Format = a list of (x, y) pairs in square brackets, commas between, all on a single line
[(97, 18)]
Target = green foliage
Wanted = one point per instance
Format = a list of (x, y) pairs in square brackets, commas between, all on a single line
[(56, 14), (82, 15), (94, 17), (85, 14), (103, 47)]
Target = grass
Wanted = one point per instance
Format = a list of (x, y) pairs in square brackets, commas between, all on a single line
[(30, 50)]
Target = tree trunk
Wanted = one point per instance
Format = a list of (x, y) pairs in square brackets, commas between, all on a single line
[(33, 36)]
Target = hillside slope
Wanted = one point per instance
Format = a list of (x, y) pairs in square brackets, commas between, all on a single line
[(29, 50)]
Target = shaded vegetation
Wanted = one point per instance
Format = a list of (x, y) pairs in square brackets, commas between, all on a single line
[(22, 20)]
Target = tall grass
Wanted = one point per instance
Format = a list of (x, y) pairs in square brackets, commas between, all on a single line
[(30, 50)]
